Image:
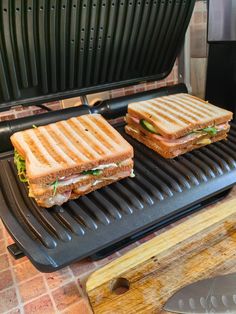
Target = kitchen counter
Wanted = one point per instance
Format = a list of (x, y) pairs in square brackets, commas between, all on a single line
[(23, 289)]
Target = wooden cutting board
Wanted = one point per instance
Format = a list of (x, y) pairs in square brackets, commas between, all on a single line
[(204, 245)]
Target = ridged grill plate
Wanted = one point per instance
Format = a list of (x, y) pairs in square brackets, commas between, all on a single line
[(54, 238), (60, 48)]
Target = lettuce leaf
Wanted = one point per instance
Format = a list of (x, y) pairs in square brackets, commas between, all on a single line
[(211, 130), (55, 185), (20, 165), (95, 172)]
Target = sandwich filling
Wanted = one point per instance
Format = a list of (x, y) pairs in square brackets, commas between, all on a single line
[(95, 176), (60, 198), (151, 131)]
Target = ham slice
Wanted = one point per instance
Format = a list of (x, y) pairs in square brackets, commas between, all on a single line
[(58, 199), (180, 140)]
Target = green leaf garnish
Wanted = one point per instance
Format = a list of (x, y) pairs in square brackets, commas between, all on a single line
[(95, 172), (55, 185), (210, 130), (20, 166), (132, 175)]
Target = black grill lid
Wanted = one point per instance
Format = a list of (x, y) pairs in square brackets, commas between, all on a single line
[(161, 191), (59, 48)]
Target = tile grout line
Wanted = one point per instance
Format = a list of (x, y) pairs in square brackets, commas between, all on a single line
[(76, 283), (13, 309), (70, 306), (49, 291), (4, 269), (28, 279), (82, 293), (33, 299)]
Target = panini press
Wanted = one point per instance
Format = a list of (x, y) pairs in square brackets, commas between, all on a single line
[(55, 49)]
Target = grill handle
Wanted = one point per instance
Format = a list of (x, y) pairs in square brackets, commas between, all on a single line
[(110, 109), (117, 107)]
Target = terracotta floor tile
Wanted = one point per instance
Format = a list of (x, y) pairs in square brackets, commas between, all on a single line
[(42, 305), (82, 282), (8, 300), (1, 234), (81, 307), (9, 239), (58, 278), (15, 311), (2, 247), (4, 262), (25, 271), (37, 288), (66, 295), (5, 279), (18, 261), (82, 267)]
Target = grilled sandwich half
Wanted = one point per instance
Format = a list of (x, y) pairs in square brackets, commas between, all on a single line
[(70, 158), (175, 124)]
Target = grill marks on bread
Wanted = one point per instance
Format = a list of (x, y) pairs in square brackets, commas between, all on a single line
[(60, 153), (30, 146), (185, 107), (159, 113), (39, 144), (66, 143), (182, 119), (98, 148), (200, 106), (97, 128), (70, 146), (172, 107), (175, 115), (72, 131)]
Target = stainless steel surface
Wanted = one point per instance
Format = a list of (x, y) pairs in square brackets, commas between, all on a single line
[(222, 20), (214, 295), (84, 100)]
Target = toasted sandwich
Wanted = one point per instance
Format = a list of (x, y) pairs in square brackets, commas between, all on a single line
[(175, 124), (70, 158)]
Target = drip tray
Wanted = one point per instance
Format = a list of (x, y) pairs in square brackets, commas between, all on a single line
[(161, 191)]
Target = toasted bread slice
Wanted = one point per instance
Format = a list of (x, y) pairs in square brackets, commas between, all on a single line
[(45, 190), (155, 145), (76, 193), (174, 144), (71, 146), (176, 115)]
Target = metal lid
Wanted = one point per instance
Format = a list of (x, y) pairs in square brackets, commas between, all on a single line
[(59, 48)]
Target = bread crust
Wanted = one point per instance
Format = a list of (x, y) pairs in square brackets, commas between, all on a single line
[(189, 118), (38, 190), (170, 153)]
